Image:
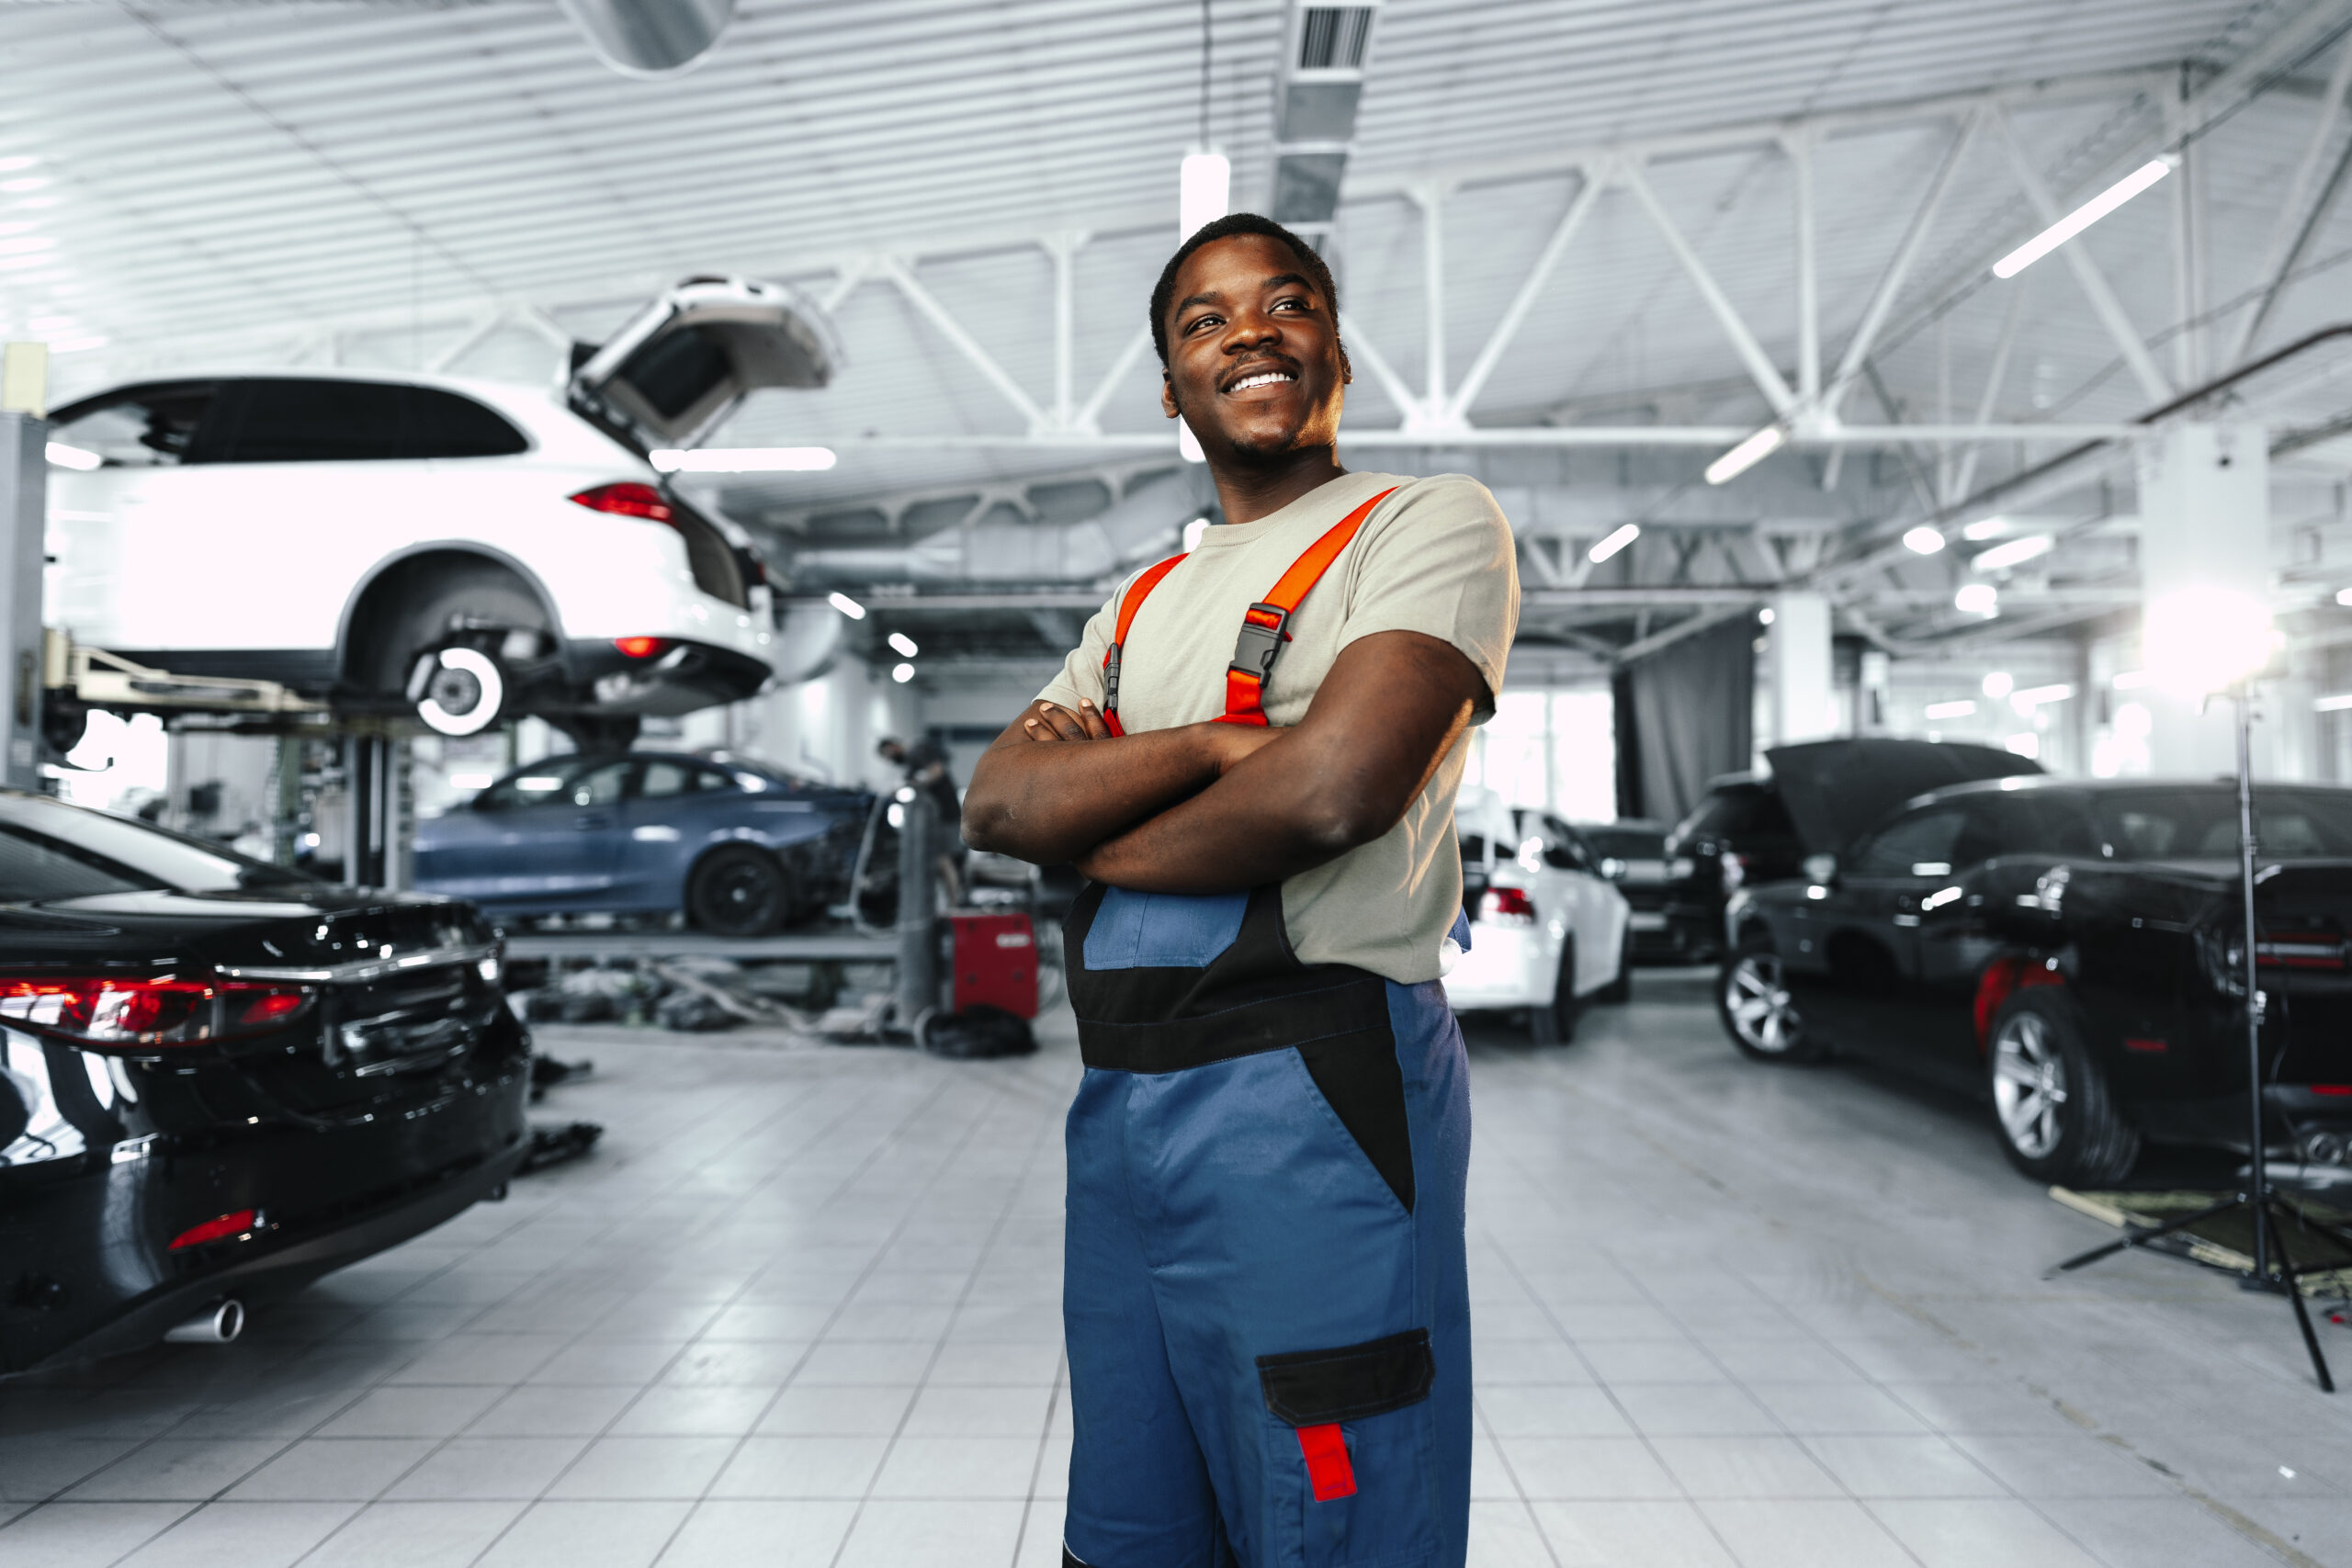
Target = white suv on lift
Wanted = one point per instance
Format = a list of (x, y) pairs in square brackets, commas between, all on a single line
[(462, 551)]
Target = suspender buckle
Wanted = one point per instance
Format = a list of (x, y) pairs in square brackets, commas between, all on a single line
[(1261, 641), (1111, 680)]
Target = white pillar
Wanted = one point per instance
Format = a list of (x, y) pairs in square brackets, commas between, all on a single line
[(2204, 523), (1799, 669)]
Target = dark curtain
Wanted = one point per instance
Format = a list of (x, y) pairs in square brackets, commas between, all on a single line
[(1684, 715)]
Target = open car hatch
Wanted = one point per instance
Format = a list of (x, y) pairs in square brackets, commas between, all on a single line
[(691, 356), (1834, 789)]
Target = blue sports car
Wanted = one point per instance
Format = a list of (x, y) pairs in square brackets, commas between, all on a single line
[(741, 849)]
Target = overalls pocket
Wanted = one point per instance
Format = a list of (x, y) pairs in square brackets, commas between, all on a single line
[(1349, 1450)]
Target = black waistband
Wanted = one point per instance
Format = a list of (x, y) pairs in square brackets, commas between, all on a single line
[(1352, 1003)]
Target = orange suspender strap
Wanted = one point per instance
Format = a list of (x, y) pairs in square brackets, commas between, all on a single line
[(1127, 608), (1264, 626)]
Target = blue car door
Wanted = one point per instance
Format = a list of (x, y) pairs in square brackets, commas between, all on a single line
[(561, 846), (677, 808)]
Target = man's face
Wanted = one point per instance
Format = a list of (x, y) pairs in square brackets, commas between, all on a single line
[(1254, 362)]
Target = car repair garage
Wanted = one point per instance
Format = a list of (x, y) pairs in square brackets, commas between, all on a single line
[(1250, 783)]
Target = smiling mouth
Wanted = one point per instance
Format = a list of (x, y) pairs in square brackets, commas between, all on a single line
[(1263, 378)]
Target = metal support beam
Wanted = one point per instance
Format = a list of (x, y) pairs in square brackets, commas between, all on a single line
[(1506, 330), (898, 273), (2002, 347), (1760, 368), (2104, 304), (1361, 350), (1112, 378), (1890, 282), (2292, 230)]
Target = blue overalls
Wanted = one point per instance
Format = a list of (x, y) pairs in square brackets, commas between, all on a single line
[(1263, 1297)]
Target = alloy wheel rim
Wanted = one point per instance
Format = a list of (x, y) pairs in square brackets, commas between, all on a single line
[(1758, 1004), (2029, 1085)]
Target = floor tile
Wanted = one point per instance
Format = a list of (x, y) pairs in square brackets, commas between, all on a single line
[(1894, 1466), (1587, 1467), (1837, 1407), (489, 1468), (838, 1410), (34, 1469), (414, 1535), (2077, 1465), (959, 1411), (802, 1466), (895, 1533), (624, 1468), (1979, 1532), (694, 1412), (1744, 1467), (1632, 1535), (503, 1360), (730, 1533), (2179, 1533), (958, 1467), (552, 1410), (411, 1413), (1779, 1533), (85, 1535), (1718, 1410), (241, 1535), (587, 1535), (176, 1469), (1553, 1411), (326, 1469)]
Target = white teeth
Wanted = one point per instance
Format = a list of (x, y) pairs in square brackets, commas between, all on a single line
[(1267, 378)]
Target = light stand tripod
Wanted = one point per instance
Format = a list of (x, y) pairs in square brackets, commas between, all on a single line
[(2273, 1268)]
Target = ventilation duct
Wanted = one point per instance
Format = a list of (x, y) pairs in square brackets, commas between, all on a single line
[(808, 638), (651, 38), (1146, 526)]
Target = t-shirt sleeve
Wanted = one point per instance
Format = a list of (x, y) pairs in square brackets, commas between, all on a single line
[(1081, 673), (1441, 564)]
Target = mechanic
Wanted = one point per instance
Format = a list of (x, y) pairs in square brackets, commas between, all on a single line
[(923, 766), (1253, 756)]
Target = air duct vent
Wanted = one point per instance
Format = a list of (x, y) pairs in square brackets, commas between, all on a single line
[(1332, 38)]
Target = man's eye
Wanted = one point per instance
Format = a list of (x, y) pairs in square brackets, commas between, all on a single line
[(1197, 323)]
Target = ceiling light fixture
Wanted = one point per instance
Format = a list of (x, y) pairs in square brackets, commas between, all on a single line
[(744, 460), (902, 673), (1985, 528), (1925, 540), (1977, 599), (846, 605), (904, 644), (1746, 455), (1625, 534), (1204, 180), (66, 456), (1764, 617), (1961, 710), (1999, 684), (2085, 215), (2344, 597), (2000, 558)]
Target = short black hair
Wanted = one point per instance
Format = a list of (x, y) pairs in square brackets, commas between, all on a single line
[(1317, 271)]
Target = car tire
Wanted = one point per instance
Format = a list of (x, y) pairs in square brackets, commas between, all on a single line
[(1754, 1006), (737, 890), (1621, 989), (1554, 1024), (2058, 1119)]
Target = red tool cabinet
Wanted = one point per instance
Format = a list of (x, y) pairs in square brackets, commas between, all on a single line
[(996, 963)]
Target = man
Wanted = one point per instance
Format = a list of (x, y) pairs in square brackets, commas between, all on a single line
[(1253, 756), (923, 766)]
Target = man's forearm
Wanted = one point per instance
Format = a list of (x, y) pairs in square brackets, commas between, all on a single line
[(1052, 803)]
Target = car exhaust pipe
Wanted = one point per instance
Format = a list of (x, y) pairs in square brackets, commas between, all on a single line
[(216, 1325)]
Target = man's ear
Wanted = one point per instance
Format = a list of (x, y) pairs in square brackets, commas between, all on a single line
[(1347, 371), (1168, 394)]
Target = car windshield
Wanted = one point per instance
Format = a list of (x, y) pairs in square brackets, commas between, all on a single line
[(1626, 843), (2202, 824), (1738, 811), (50, 850)]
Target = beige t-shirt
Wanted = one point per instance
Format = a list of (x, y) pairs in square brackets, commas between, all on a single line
[(1434, 557)]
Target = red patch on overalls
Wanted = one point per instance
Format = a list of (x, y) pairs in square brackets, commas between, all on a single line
[(1327, 1470)]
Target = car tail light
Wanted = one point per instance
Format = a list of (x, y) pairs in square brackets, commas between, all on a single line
[(242, 1223), (1506, 906), (628, 498), (1735, 870), (125, 1014), (642, 646)]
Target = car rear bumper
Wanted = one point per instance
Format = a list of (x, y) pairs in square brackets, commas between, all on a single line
[(684, 676), (1506, 966), (85, 1266)]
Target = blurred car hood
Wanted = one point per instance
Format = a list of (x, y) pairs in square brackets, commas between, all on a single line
[(1835, 789)]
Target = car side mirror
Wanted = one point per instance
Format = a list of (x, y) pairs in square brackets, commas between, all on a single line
[(1822, 869)]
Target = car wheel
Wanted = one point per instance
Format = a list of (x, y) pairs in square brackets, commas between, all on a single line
[(1619, 989), (738, 891), (2058, 1118), (1753, 1002), (458, 689), (1555, 1022)]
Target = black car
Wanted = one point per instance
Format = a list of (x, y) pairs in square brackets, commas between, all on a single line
[(1738, 833), (221, 1078), (1631, 853), (2068, 950)]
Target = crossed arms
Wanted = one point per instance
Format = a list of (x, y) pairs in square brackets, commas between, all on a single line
[(1219, 808)]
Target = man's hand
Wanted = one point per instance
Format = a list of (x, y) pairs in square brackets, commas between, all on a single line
[(1049, 721), (1391, 709)]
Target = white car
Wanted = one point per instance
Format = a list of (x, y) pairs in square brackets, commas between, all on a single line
[(1547, 930), (462, 551)]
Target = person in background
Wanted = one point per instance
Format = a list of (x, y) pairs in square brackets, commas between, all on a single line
[(923, 766)]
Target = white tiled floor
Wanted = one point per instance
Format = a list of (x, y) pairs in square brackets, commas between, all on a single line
[(802, 1309)]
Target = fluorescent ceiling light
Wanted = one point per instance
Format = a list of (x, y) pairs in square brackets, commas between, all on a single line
[(902, 673), (2342, 596), (1204, 188), (904, 644), (744, 460), (1977, 599), (2032, 697), (1949, 710), (1618, 539), (1985, 528), (1746, 455), (846, 605), (538, 783), (1194, 532), (1999, 684), (2000, 558), (66, 456), (2130, 680), (470, 781), (1925, 540), (2083, 217), (2335, 703), (1764, 617)]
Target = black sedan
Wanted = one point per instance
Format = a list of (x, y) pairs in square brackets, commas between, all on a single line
[(1738, 833), (2068, 951), (219, 1079)]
